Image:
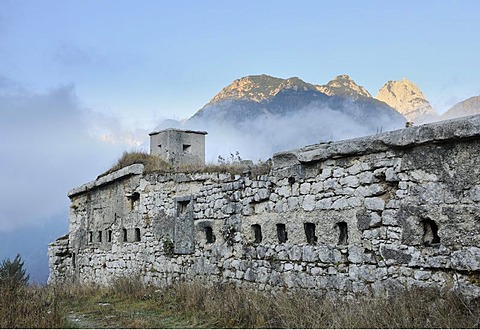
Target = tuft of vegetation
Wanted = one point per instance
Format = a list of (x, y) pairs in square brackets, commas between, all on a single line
[(153, 164), (251, 170), (23, 305), (13, 274), (130, 287)]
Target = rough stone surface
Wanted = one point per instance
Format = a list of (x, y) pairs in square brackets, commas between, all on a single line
[(393, 210), (405, 97), (179, 147)]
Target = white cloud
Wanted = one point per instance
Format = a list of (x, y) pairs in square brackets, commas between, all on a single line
[(268, 134), (48, 147), (50, 144)]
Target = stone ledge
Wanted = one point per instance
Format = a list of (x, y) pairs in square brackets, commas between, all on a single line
[(454, 129), (121, 173)]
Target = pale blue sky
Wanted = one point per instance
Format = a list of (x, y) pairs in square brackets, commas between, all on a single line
[(77, 75), (168, 58)]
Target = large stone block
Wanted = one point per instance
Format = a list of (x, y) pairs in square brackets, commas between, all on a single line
[(374, 204)]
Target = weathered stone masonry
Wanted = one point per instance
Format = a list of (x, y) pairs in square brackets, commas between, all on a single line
[(398, 209)]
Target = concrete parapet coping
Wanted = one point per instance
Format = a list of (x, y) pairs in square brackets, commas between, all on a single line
[(443, 131), (179, 130), (134, 169)]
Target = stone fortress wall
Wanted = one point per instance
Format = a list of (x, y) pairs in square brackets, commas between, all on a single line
[(394, 210)]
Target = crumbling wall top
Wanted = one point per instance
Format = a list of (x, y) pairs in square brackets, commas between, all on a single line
[(455, 129), (126, 171)]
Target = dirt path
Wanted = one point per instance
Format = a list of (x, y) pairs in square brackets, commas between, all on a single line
[(81, 321)]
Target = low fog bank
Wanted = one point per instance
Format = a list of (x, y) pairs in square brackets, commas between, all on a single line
[(258, 139), (51, 143)]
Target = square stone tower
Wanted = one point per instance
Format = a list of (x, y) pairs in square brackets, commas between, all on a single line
[(179, 147)]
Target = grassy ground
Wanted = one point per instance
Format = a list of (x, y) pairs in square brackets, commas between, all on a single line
[(30, 307), (129, 304)]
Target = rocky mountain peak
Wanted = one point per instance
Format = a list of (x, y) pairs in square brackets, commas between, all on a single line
[(259, 88), (294, 83), (343, 85), (255, 88), (468, 107), (405, 97), (251, 97)]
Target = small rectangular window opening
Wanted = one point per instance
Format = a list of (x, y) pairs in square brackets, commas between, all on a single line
[(257, 234), (100, 236), (109, 236), (430, 233), (342, 233), (134, 197), (90, 236), (187, 148), (209, 234), (281, 233), (125, 236), (137, 235), (182, 207), (310, 232), (74, 261)]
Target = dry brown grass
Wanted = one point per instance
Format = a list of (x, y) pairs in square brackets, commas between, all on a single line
[(151, 163), (154, 164), (130, 304), (30, 307), (131, 287), (261, 168), (228, 306)]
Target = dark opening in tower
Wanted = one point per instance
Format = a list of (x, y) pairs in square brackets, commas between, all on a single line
[(281, 233), (310, 232), (182, 207), (209, 236), (430, 232), (257, 234), (137, 235), (342, 233)]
